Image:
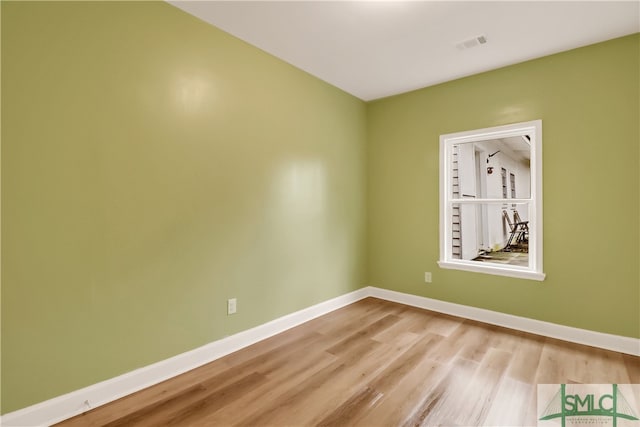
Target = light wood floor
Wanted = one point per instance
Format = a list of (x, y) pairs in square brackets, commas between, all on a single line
[(373, 363)]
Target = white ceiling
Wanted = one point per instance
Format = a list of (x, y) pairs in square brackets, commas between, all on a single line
[(373, 49)]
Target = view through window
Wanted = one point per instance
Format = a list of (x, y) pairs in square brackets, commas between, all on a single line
[(490, 201)]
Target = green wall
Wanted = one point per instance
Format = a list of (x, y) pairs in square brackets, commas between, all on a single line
[(152, 167), (588, 102)]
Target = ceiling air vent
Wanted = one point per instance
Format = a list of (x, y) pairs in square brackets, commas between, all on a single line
[(472, 42)]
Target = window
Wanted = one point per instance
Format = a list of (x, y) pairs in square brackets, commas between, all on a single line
[(512, 182), (503, 175), (485, 225)]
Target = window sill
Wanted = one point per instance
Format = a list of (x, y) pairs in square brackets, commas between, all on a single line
[(493, 269)]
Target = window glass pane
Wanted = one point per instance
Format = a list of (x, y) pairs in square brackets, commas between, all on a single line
[(496, 233), (492, 169)]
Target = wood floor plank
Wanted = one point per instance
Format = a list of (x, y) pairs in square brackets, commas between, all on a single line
[(186, 383), (360, 371), (443, 324), (183, 410), (296, 405), (526, 358), (437, 403), (475, 341), (399, 403), (372, 363), (507, 409), (482, 388), (365, 399), (448, 348), (632, 364), (404, 364), (289, 337), (407, 322), (367, 311), (288, 376), (352, 409)]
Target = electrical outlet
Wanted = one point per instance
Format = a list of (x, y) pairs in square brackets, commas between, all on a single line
[(427, 277), (231, 306)]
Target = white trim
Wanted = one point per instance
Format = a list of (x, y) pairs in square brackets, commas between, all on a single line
[(553, 330), (66, 406), (476, 267), (71, 404), (489, 201)]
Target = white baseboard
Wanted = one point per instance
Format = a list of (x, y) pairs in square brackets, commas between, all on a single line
[(566, 333), (71, 404), (74, 403)]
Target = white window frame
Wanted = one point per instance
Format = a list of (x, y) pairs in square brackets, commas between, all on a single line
[(534, 130)]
